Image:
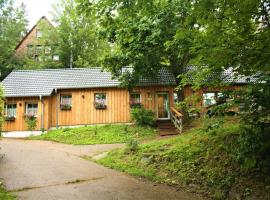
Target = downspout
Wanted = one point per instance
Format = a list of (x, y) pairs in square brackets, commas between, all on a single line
[(42, 113), (56, 108)]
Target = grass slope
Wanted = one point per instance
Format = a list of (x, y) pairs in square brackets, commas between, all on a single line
[(201, 160), (5, 195), (99, 134)]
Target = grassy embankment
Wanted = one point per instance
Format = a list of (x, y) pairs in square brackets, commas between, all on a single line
[(5, 195), (204, 159), (99, 134)]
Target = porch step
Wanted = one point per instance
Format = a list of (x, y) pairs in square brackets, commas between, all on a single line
[(166, 127)]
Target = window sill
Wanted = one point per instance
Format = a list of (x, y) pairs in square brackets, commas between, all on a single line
[(10, 118), (65, 107), (101, 107)]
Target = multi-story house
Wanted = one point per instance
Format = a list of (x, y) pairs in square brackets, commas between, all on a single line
[(38, 43)]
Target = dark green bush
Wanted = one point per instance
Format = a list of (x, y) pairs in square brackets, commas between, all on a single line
[(142, 116)]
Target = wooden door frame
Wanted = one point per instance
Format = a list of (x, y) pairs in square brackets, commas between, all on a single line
[(168, 98)]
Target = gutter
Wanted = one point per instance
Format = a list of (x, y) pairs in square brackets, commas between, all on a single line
[(42, 112), (57, 99)]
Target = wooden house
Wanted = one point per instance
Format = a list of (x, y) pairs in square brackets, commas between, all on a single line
[(69, 97), (38, 44)]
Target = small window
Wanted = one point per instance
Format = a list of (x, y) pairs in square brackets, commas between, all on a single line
[(31, 109), (39, 50), (135, 100), (48, 50), (56, 58), (212, 98), (30, 50), (100, 101), (10, 110), (39, 33), (65, 102)]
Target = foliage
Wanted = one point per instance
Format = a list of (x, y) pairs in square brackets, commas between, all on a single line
[(1, 108), (142, 116), (99, 134), (31, 122), (132, 146), (190, 106), (203, 159), (12, 26), (6, 195), (143, 34), (78, 43)]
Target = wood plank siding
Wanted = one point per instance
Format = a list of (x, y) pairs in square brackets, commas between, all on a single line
[(83, 111)]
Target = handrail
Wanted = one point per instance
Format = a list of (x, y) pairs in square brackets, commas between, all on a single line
[(177, 113), (176, 118)]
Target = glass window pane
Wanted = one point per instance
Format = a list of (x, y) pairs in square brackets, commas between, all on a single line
[(135, 98), (11, 110), (31, 109), (209, 99), (100, 98)]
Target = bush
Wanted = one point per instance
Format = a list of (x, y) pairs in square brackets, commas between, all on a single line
[(142, 116), (31, 122), (132, 146)]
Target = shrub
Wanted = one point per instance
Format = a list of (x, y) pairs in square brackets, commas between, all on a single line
[(132, 146), (142, 116), (31, 122)]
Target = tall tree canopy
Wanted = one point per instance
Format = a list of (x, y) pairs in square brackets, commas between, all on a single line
[(146, 35), (12, 27), (175, 33), (78, 43)]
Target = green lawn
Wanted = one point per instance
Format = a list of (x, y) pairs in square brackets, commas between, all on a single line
[(203, 160), (99, 134), (5, 195)]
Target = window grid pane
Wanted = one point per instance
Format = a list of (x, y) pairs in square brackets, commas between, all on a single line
[(100, 98), (11, 110), (135, 98), (31, 109), (66, 100)]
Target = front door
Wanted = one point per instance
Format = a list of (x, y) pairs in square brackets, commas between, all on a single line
[(162, 106)]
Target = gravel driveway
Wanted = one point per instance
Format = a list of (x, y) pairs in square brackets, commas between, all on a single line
[(52, 171)]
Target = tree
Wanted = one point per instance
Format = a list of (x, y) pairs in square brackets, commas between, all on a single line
[(78, 45), (146, 35), (12, 27)]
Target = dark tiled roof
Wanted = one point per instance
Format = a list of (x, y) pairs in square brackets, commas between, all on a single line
[(226, 76), (23, 83)]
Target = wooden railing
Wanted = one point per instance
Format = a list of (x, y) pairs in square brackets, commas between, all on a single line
[(176, 118)]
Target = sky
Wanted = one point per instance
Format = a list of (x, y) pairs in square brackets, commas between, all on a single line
[(35, 9)]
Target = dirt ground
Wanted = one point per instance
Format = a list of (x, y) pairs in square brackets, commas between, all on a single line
[(40, 170)]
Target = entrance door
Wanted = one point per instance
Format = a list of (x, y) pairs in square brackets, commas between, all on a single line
[(162, 106)]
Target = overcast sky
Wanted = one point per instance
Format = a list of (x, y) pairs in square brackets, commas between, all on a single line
[(35, 9)]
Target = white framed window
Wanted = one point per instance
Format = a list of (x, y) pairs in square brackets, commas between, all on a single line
[(31, 109), (66, 99), (39, 49), (135, 100), (39, 33), (211, 98), (48, 49), (30, 50), (100, 100), (10, 109), (56, 58)]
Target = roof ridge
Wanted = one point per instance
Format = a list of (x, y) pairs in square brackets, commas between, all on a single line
[(55, 69)]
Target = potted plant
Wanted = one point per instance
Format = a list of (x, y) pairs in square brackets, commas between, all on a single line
[(135, 104), (10, 118), (65, 107), (100, 105)]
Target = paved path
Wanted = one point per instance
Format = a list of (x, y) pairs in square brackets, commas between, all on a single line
[(40, 170)]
